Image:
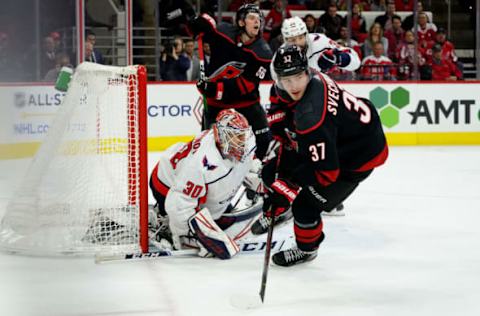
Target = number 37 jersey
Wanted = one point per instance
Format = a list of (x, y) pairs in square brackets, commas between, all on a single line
[(195, 175), (330, 129)]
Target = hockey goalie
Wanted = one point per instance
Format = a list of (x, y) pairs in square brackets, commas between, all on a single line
[(194, 183)]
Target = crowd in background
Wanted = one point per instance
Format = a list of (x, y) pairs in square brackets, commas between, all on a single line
[(386, 48)]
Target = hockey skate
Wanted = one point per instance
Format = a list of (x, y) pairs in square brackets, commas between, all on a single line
[(261, 225), (293, 256), (337, 211)]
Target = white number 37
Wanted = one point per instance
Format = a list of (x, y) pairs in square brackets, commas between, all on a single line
[(317, 151)]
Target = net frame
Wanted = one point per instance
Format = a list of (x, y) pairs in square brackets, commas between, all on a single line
[(137, 170)]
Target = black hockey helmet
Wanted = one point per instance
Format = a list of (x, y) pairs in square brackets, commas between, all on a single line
[(245, 9), (290, 60)]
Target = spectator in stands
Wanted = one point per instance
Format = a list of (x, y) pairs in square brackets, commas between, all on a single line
[(47, 58), (406, 58), (90, 55), (57, 40), (311, 24), (344, 41), (443, 68), (193, 73), (359, 25), (378, 5), (404, 5), (95, 56), (448, 49), (395, 37), (377, 66), (407, 24), (61, 60), (331, 21), (385, 20), (425, 31), (174, 63), (274, 18), (207, 53), (375, 34)]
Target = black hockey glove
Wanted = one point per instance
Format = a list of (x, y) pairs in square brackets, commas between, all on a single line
[(281, 198), (207, 88), (333, 57)]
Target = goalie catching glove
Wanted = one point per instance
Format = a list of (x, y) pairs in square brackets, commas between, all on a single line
[(279, 201), (211, 237)]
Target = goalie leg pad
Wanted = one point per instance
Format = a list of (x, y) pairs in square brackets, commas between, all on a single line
[(211, 237)]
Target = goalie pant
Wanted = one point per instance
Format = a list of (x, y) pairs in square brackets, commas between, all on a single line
[(192, 176), (335, 140), (241, 93)]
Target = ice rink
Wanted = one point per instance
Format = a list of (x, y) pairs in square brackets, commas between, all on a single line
[(409, 245)]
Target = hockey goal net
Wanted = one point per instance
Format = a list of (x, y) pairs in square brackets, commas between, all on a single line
[(86, 189)]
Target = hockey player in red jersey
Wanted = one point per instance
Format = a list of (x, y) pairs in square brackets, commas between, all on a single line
[(242, 47), (331, 141), (193, 184)]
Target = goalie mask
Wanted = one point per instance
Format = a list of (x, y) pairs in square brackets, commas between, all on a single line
[(233, 135)]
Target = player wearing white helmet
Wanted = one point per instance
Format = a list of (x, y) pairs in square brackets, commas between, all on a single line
[(322, 52)]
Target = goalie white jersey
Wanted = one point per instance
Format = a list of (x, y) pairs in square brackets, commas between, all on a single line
[(195, 176), (316, 44)]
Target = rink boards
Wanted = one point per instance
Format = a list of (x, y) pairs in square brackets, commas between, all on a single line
[(427, 113)]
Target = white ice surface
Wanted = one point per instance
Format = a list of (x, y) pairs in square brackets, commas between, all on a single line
[(409, 245)]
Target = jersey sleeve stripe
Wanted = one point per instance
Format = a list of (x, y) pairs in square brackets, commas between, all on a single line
[(376, 161), (158, 185)]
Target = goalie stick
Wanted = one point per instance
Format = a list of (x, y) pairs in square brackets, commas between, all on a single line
[(246, 247)]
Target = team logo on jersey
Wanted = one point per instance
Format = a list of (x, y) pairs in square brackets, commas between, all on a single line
[(207, 165)]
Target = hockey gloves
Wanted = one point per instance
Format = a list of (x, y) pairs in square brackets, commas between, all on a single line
[(210, 89), (281, 198), (333, 57)]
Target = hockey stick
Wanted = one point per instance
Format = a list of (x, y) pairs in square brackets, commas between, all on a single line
[(266, 259), (246, 247)]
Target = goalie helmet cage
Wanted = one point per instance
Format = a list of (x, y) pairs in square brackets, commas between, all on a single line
[(86, 190)]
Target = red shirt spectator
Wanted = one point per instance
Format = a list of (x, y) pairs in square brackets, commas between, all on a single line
[(448, 49), (404, 5), (359, 25), (275, 18), (378, 66), (395, 37), (426, 31), (443, 69)]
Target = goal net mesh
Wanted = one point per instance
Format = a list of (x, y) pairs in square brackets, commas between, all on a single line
[(81, 191)]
